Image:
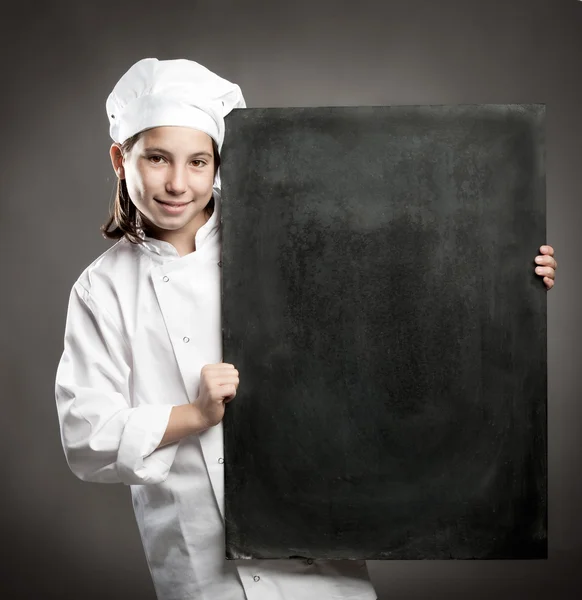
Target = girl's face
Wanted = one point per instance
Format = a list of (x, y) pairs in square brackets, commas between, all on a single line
[(169, 174)]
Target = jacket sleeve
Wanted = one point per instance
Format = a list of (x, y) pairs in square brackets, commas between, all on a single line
[(105, 439)]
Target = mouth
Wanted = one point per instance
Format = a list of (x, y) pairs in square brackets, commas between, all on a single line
[(173, 208), (173, 204)]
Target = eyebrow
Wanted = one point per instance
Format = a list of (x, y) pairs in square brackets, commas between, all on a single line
[(163, 151)]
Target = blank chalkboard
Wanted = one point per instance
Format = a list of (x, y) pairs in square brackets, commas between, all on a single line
[(381, 305)]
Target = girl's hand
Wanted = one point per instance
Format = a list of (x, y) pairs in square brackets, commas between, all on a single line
[(546, 266), (218, 385)]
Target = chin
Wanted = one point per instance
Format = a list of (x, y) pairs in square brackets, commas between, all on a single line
[(170, 225)]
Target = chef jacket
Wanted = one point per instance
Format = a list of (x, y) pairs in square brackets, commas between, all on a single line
[(142, 322)]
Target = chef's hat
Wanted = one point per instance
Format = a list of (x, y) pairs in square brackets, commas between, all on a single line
[(155, 93)]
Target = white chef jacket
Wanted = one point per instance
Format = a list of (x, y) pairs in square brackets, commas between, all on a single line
[(142, 322)]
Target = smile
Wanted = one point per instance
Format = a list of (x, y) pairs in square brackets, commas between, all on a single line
[(173, 207)]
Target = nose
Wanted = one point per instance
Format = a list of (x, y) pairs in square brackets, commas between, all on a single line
[(176, 182)]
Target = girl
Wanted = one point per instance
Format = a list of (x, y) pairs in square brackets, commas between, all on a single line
[(141, 386)]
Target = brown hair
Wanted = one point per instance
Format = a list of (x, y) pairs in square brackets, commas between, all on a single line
[(124, 217)]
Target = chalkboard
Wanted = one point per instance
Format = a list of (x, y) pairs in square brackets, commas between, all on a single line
[(381, 305)]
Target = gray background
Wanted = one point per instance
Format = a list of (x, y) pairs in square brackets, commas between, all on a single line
[(63, 538)]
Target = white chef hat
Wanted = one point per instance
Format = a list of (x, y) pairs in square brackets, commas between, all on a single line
[(155, 93)]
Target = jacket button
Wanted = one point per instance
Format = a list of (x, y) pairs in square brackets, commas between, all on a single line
[(220, 263), (309, 561), (221, 461), (186, 340), (256, 578), (166, 278)]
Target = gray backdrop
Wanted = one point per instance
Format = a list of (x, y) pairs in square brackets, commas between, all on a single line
[(63, 538)]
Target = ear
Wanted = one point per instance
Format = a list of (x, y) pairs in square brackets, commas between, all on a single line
[(117, 160)]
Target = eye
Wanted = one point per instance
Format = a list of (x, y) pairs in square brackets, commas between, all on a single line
[(156, 159), (198, 162)]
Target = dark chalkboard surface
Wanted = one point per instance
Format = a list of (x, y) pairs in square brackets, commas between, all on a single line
[(381, 305)]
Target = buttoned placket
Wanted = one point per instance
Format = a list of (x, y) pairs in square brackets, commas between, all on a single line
[(185, 338), (165, 276)]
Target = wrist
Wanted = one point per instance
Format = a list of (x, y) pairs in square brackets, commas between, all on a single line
[(198, 423), (185, 420)]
